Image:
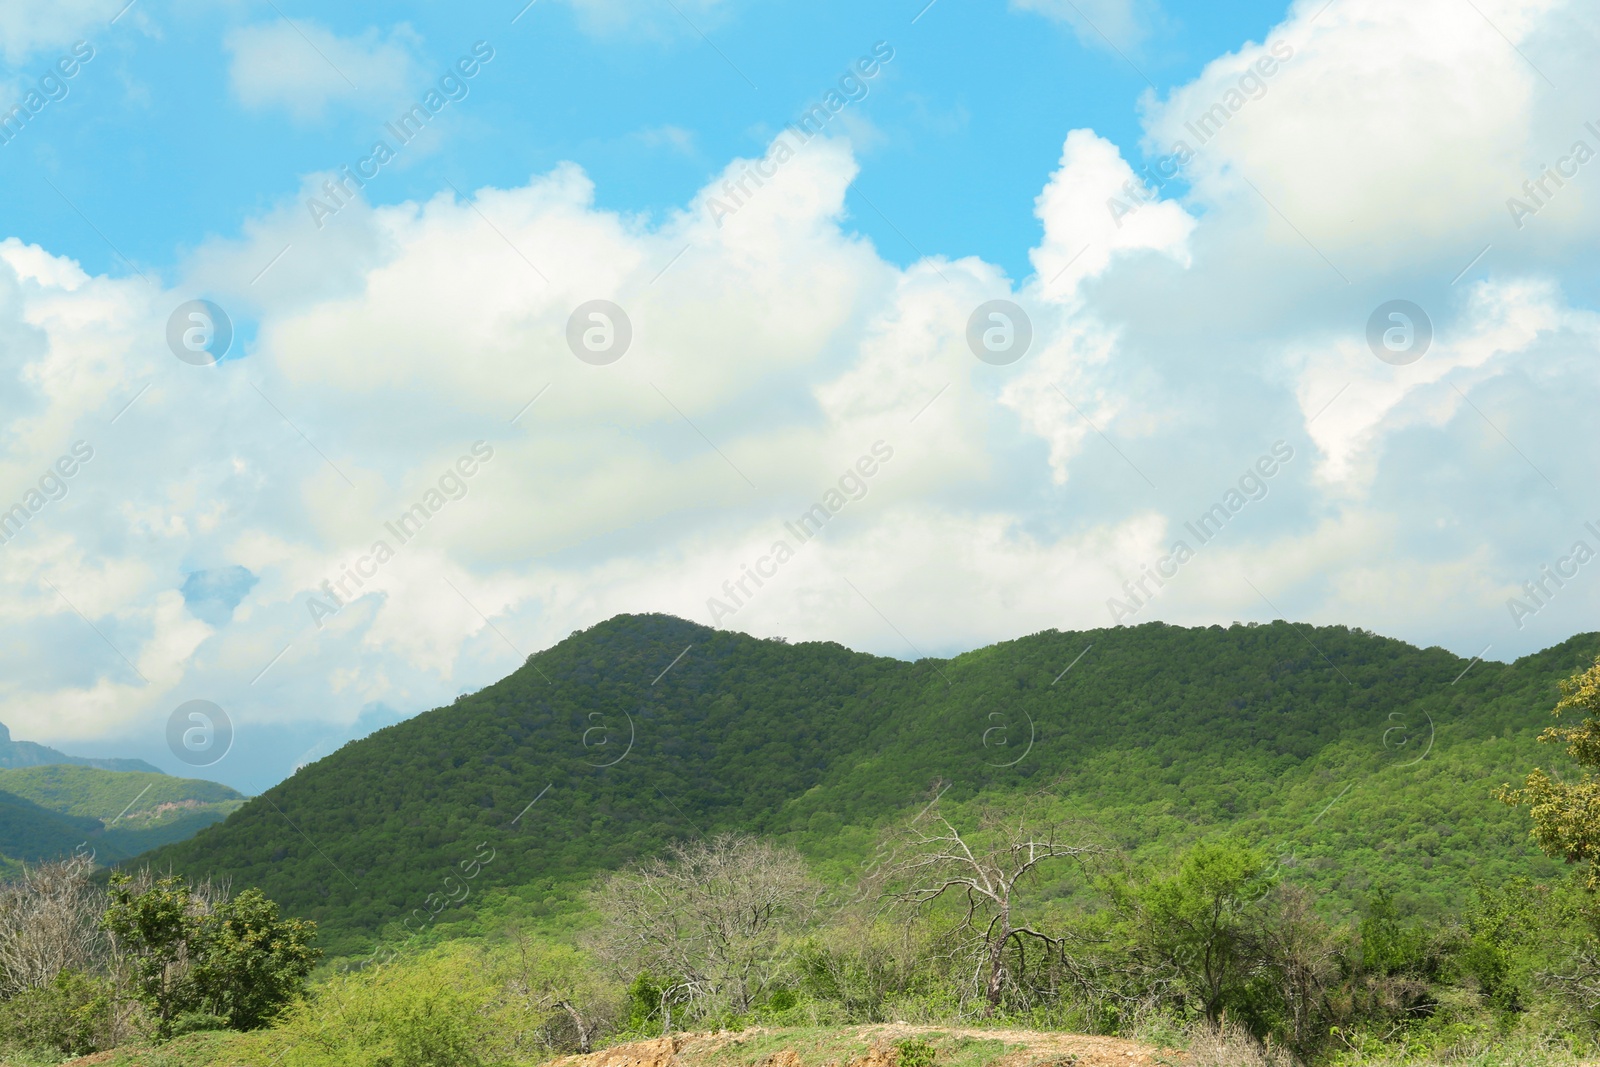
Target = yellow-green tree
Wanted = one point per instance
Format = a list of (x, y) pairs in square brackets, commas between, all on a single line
[(1566, 815)]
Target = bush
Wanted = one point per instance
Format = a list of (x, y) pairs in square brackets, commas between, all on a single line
[(250, 962), (1227, 1044), (70, 1015), (441, 1010), (914, 1052)]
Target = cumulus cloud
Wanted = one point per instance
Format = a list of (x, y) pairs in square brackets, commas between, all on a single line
[(1094, 208), (1185, 322)]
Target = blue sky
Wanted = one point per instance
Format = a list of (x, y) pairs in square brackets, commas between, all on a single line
[(1307, 293), (159, 154)]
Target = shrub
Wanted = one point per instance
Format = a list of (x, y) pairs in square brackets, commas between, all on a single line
[(437, 1011), (250, 962), (1226, 1044), (914, 1052), (69, 1016)]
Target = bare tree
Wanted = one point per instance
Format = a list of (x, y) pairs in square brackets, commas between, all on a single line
[(985, 868), (711, 919), (1300, 952), (48, 924)]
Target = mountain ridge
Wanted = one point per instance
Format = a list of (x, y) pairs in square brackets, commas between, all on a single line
[(32, 754), (647, 728)]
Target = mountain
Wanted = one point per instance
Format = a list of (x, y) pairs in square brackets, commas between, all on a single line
[(1357, 759), (52, 811), (29, 754), (31, 832)]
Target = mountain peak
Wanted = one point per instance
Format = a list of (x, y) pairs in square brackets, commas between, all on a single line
[(31, 754)]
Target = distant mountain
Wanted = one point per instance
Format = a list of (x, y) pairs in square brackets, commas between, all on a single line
[(30, 832), (1358, 760), (52, 811), (29, 754)]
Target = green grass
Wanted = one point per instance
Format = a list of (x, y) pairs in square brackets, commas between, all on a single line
[(212, 1049)]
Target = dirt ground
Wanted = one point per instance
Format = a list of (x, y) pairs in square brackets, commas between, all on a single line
[(754, 1048)]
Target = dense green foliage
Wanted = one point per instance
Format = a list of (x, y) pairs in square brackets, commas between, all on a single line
[(1311, 744), (65, 1016), (1563, 811), (86, 967), (234, 961), (1002, 906), (116, 796), (30, 831), (51, 811), (1162, 946), (1196, 924)]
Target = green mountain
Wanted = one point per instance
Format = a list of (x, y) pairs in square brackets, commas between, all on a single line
[(30, 754), (30, 832), (1358, 759), (52, 811)]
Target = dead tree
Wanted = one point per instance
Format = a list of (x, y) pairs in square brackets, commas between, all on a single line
[(986, 868), (48, 924), (711, 918)]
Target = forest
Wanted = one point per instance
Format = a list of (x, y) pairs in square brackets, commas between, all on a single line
[(1354, 759)]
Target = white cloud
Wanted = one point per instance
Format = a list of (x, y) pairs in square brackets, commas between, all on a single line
[(304, 67), (28, 27), (773, 348), (1385, 133), (1092, 209)]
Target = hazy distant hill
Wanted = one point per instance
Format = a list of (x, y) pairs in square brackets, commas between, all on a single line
[(52, 811), (1313, 742), (29, 754)]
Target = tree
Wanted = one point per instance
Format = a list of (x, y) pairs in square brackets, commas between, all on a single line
[(1202, 922), (251, 963), (193, 950), (48, 924), (711, 919), (869, 966), (1566, 816), (986, 871), (563, 987), (153, 924), (1299, 952)]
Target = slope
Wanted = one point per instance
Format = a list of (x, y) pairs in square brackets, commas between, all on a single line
[(29, 832), (131, 811), (1313, 741)]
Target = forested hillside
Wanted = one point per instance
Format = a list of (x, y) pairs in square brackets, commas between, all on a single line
[(1313, 742), (132, 811), (54, 810)]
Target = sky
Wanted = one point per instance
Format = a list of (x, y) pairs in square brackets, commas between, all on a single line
[(353, 353)]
